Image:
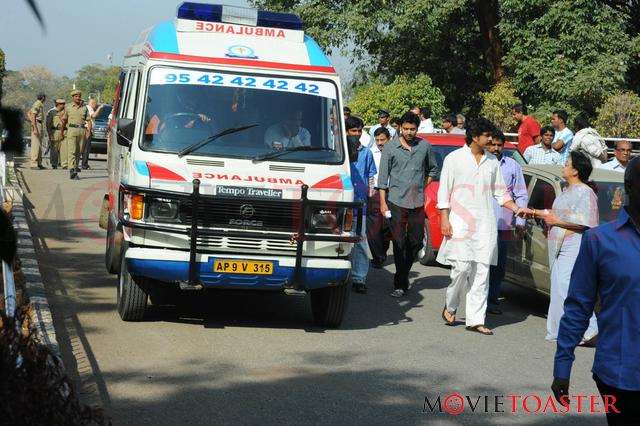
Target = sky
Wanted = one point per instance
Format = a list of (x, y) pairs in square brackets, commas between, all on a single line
[(78, 33)]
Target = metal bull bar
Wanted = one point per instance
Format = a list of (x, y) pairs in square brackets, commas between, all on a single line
[(193, 231)]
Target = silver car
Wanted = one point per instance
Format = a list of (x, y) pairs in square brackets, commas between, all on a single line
[(527, 260)]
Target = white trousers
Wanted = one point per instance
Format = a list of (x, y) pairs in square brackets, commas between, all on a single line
[(560, 279), (471, 278)]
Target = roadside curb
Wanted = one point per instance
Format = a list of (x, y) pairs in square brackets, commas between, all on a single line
[(41, 313)]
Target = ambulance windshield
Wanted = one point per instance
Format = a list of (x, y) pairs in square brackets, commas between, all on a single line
[(186, 106)]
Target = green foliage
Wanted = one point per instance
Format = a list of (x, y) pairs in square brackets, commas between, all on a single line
[(574, 52), (108, 93), (556, 52), (440, 38), (497, 103), (397, 97), (542, 112), (97, 81), (619, 116)]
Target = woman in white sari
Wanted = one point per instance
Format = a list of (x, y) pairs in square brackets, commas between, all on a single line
[(573, 212)]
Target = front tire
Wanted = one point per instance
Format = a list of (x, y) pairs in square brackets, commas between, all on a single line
[(426, 255), (132, 297), (329, 305)]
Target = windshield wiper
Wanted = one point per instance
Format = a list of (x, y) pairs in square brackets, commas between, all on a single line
[(198, 145), (274, 154)]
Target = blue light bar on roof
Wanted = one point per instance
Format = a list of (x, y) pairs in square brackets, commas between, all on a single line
[(238, 15)]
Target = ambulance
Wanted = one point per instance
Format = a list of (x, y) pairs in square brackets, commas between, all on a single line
[(228, 164)]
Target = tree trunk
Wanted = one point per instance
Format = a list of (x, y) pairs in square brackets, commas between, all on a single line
[(488, 18)]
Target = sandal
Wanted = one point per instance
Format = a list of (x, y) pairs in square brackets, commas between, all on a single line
[(444, 317), (480, 328)]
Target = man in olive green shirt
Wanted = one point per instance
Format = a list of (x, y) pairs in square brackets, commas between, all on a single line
[(36, 117), (54, 130), (76, 115)]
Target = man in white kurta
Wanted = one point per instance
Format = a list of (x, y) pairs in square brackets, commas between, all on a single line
[(471, 179)]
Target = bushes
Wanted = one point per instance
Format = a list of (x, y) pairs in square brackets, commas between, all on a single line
[(497, 103), (397, 97), (619, 116)]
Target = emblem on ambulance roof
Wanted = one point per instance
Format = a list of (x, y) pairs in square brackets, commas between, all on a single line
[(238, 51)]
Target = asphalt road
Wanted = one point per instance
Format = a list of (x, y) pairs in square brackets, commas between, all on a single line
[(238, 358)]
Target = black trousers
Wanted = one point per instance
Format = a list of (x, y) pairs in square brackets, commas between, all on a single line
[(378, 230), (407, 228), (627, 402)]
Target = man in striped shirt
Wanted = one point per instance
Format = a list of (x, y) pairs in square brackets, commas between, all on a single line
[(542, 153)]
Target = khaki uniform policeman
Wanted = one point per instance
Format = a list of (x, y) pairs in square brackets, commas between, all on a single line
[(75, 117), (54, 130), (36, 116)]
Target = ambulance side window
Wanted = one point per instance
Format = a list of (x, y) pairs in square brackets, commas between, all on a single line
[(129, 94), (122, 111), (120, 102), (132, 94)]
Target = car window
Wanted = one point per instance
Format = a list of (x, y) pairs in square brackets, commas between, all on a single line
[(515, 154), (542, 195), (104, 113), (527, 179)]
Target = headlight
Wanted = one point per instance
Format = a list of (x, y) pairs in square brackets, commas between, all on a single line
[(163, 210), (133, 206), (326, 219)]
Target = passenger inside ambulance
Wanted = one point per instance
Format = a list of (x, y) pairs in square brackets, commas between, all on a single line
[(289, 132)]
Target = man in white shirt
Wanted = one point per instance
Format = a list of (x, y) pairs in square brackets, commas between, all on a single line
[(289, 133), (383, 121), (426, 125), (563, 137), (94, 111), (378, 226), (622, 156), (471, 179)]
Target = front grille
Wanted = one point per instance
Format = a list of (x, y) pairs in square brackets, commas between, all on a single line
[(100, 133), (244, 244), (267, 215)]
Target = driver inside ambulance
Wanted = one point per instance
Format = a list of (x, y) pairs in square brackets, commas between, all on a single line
[(182, 107)]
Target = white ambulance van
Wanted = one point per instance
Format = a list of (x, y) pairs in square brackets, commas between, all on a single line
[(228, 164)]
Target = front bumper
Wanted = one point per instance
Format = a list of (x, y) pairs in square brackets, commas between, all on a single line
[(173, 266), (292, 272)]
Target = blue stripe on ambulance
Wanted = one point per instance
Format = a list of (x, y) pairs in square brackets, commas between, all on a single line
[(347, 185), (142, 168), (163, 38), (316, 55)]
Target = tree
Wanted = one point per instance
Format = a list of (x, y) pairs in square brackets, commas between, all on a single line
[(554, 51), (441, 38), (497, 103), (619, 116), (397, 97), (22, 87), (575, 52), (2, 72)]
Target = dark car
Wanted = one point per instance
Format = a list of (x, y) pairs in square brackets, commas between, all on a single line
[(100, 129)]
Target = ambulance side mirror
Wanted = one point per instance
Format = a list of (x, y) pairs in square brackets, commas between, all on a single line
[(126, 128)]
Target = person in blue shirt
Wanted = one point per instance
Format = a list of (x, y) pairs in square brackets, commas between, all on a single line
[(363, 170), (607, 269)]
